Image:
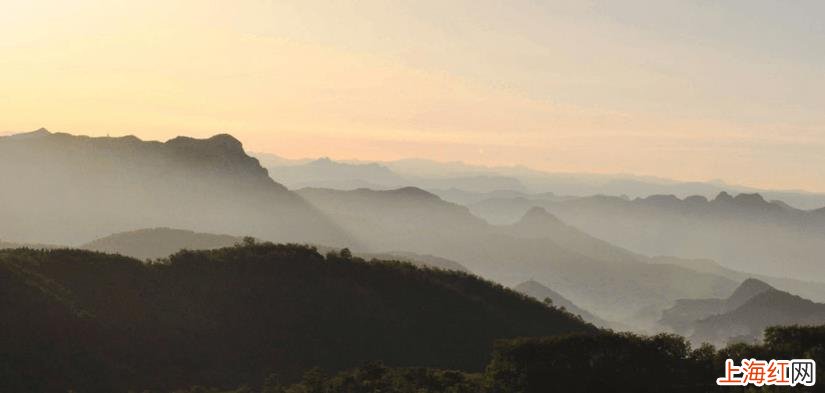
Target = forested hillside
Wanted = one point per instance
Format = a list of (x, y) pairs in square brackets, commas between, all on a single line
[(603, 362), (97, 322)]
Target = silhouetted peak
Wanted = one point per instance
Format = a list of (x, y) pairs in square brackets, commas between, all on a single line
[(414, 192), (746, 291), (220, 153), (696, 199), (130, 138), (221, 144), (539, 215), (743, 200), (753, 284), (38, 133), (750, 200), (537, 211), (662, 200), (323, 161), (723, 197), (227, 141), (220, 140), (659, 197)]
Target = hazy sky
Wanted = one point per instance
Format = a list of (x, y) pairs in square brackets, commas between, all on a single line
[(690, 90)]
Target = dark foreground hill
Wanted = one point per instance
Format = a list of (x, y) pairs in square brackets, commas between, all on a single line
[(602, 362), (96, 322), (67, 189)]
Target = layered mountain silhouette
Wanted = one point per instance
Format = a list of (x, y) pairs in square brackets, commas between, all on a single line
[(610, 281), (87, 321), (326, 173), (686, 312), (331, 174), (742, 316), (743, 232), (66, 189), (808, 289), (408, 218), (472, 181), (537, 222), (69, 189)]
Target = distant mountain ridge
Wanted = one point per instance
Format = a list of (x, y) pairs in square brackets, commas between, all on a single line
[(326, 173), (686, 312), (69, 189), (441, 176), (609, 280), (747, 322), (805, 288), (743, 232), (742, 316)]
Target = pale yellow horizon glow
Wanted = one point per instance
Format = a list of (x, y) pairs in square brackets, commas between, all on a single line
[(566, 88)]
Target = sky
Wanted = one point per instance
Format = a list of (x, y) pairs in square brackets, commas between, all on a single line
[(688, 90)]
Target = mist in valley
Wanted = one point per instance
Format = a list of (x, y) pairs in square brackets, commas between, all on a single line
[(411, 197), (657, 264)]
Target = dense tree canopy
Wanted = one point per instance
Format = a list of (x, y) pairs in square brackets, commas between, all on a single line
[(580, 362), (92, 321)]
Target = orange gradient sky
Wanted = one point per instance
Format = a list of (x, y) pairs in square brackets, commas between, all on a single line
[(697, 90)]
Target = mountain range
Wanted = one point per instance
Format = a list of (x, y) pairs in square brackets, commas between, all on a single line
[(750, 232), (442, 177), (325, 173), (590, 250), (66, 189), (743, 232), (610, 281), (743, 316)]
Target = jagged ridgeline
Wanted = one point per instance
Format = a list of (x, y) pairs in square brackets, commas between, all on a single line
[(65, 189), (98, 322)]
